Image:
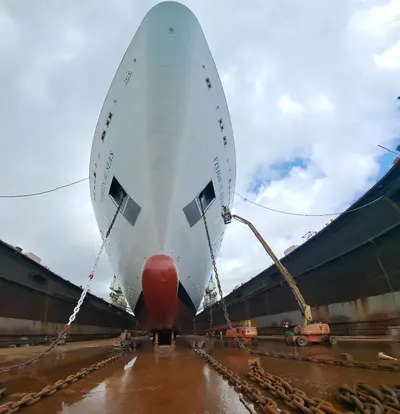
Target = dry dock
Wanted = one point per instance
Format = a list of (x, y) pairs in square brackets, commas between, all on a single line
[(92, 377)]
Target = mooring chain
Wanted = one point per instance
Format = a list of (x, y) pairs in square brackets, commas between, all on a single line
[(295, 399), (363, 399), (239, 343), (262, 403), (96, 262), (368, 400), (328, 361), (4, 370), (34, 397)]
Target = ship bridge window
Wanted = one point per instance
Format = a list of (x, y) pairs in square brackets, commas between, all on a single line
[(130, 209), (192, 210)]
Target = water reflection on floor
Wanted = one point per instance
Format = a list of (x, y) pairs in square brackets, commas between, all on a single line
[(147, 383)]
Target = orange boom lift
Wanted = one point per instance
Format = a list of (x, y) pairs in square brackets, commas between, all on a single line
[(310, 331)]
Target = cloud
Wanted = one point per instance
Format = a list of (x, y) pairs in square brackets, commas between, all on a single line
[(311, 88), (289, 107), (390, 58)]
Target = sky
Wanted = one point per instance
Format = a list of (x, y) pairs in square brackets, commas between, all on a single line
[(311, 87)]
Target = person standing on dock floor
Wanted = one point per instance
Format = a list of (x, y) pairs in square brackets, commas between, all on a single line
[(127, 341)]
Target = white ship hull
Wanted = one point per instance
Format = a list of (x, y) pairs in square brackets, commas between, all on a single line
[(164, 136)]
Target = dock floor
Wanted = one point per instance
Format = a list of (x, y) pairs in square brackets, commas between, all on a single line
[(178, 381)]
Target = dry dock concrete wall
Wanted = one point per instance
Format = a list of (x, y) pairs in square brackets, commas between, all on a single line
[(26, 327), (35, 301), (376, 315)]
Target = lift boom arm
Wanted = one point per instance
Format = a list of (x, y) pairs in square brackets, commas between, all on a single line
[(304, 307)]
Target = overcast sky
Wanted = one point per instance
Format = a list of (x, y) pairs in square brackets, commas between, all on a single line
[(311, 86)]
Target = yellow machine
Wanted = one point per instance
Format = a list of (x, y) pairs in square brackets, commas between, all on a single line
[(309, 332), (248, 335), (249, 323)]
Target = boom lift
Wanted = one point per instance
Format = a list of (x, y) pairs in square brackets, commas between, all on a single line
[(310, 331)]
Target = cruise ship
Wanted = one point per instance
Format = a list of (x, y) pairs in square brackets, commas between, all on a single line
[(163, 144)]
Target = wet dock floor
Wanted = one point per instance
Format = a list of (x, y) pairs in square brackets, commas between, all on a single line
[(317, 380), (180, 382), (146, 382), (365, 351)]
